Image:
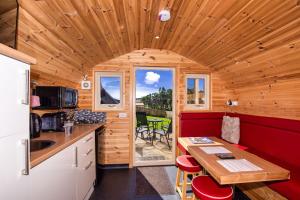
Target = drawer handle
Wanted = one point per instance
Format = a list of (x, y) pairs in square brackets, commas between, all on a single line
[(90, 138), (88, 152), (89, 165), (25, 171)]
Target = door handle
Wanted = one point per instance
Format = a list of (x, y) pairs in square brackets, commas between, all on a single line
[(25, 171), (76, 157), (25, 101)]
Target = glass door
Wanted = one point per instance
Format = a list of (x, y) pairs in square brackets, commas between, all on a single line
[(154, 133)]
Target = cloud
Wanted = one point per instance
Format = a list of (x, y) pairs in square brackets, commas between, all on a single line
[(151, 78)]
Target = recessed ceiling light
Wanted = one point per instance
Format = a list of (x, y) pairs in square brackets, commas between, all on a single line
[(157, 37)]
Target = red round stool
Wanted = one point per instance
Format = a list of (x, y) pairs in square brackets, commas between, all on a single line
[(189, 166), (205, 188)]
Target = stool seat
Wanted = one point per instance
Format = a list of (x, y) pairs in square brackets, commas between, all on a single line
[(187, 163), (205, 188)]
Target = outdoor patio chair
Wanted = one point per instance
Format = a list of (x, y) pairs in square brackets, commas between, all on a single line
[(142, 125), (165, 133)]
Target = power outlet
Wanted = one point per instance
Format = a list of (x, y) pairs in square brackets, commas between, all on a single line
[(122, 115)]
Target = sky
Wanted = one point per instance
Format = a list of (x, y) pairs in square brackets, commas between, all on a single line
[(149, 81), (191, 83), (112, 86)]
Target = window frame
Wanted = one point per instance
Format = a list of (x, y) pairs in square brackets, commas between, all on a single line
[(207, 91), (97, 92)]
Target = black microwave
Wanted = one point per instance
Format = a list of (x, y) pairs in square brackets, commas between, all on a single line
[(54, 97)]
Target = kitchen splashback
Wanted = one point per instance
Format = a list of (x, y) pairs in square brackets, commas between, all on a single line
[(88, 117)]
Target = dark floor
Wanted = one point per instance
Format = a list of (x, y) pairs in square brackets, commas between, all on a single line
[(121, 184)]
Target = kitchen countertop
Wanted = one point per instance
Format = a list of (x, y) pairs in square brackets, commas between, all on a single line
[(61, 142)]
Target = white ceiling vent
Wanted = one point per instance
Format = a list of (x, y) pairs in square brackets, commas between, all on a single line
[(164, 15)]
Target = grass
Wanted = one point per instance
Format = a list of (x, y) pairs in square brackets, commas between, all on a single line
[(165, 121)]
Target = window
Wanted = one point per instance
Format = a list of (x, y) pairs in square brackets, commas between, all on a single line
[(108, 90), (197, 91)]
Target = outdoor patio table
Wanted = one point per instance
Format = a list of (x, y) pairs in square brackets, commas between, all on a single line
[(155, 122)]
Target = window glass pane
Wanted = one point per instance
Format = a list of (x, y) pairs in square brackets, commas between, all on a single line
[(201, 91), (110, 90), (191, 94)]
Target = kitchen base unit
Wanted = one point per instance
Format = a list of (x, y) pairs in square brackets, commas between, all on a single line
[(68, 175)]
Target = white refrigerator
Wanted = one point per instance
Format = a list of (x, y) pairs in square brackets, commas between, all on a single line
[(14, 129)]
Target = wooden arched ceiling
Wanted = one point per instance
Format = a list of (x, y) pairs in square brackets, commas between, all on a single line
[(78, 34)]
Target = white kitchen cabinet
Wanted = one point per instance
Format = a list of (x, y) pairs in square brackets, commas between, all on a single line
[(14, 102), (86, 170), (55, 178), (68, 175), (12, 161), (14, 129)]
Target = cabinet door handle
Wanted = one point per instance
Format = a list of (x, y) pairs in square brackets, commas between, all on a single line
[(87, 140), (76, 157), (25, 101), (25, 171), (88, 152), (89, 165)]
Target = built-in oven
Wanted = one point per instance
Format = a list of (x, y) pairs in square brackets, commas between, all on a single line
[(54, 97)]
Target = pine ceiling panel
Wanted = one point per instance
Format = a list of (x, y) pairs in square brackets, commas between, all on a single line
[(215, 33)]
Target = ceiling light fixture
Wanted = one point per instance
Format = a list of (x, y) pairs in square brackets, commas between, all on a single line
[(164, 15), (157, 37)]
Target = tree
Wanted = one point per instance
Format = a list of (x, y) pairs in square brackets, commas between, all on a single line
[(161, 100)]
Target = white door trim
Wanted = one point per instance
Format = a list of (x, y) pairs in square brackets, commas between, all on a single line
[(156, 162)]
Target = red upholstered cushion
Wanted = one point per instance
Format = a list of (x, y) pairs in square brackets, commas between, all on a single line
[(200, 124), (240, 147), (205, 188), (187, 163), (182, 149)]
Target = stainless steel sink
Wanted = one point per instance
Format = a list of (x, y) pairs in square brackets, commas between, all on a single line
[(36, 145)]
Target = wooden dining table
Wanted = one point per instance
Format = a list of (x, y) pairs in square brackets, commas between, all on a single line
[(269, 171)]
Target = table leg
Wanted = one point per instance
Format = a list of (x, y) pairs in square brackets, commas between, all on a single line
[(154, 132), (233, 190)]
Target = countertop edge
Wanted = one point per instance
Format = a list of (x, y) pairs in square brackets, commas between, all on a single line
[(49, 154)]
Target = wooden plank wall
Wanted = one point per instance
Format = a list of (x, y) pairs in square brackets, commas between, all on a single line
[(8, 27), (115, 146), (267, 82)]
